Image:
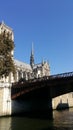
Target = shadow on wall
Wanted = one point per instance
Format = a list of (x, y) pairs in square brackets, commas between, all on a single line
[(62, 106)]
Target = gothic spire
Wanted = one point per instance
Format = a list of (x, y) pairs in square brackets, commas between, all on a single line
[(32, 57), (32, 50)]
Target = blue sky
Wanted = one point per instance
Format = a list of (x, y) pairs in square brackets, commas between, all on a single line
[(46, 23)]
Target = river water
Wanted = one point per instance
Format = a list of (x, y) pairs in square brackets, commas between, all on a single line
[(62, 120)]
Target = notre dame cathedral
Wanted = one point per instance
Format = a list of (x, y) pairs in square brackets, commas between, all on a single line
[(24, 70)]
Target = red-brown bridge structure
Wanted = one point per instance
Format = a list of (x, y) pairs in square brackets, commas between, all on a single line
[(52, 86), (34, 97)]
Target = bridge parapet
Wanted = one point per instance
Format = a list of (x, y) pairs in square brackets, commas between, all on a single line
[(67, 74), (56, 76)]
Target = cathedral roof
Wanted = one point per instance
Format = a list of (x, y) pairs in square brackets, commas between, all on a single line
[(22, 64)]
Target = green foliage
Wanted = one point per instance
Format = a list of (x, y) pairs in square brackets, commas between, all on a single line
[(6, 60)]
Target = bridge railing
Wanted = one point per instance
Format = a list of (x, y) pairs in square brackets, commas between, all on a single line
[(67, 74), (62, 75)]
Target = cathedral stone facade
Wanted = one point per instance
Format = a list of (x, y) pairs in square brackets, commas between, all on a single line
[(23, 70)]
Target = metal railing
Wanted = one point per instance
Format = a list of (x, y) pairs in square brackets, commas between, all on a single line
[(67, 74), (62, 75)]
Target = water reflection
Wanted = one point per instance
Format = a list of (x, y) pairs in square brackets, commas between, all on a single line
[(29, 124), (5, 123), (63, 120)]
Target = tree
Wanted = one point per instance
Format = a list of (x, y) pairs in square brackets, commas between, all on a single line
[(6, 61)]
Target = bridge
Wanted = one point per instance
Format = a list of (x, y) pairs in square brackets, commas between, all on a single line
[(55, 85), (38, 95)]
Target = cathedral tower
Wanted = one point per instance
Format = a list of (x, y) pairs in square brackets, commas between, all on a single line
[(7, 30)]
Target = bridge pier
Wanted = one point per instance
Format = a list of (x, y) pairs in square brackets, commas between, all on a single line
[(5, 100)]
